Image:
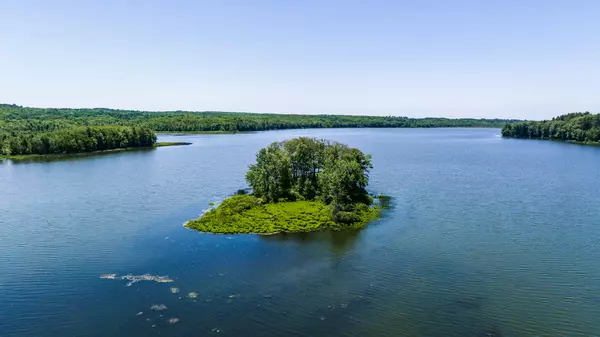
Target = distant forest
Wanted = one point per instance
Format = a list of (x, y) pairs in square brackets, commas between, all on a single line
[(23, 129), (581, 127)]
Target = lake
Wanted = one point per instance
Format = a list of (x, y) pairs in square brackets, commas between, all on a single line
[(487, 237)]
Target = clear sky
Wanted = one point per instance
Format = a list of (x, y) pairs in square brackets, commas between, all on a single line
[(529, 59)]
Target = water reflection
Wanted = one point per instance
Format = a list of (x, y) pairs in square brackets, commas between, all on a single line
[(340, 242)]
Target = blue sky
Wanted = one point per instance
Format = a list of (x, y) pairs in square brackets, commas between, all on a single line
[(526, 59)]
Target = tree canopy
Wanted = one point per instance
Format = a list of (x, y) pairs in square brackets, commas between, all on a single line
[(579, 126), (75, 140), (312, 169), (19, 119)]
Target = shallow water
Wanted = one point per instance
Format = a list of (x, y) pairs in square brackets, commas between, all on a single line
[(486, 237)]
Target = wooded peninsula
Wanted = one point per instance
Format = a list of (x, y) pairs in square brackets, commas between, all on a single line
[(25, 131), (580, 127), (298, 185)]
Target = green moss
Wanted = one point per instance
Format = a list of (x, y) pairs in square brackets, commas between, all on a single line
[(246, 214)]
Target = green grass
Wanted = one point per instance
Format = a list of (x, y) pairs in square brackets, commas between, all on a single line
[(245, 214)]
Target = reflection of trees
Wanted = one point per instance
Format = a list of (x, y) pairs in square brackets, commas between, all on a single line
[(339, 242)]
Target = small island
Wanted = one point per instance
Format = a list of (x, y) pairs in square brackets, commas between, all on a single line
[(298, 185)]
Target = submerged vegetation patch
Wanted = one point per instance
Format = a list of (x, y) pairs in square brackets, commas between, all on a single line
[(299, 185), (158, 307), (173, 320), (137, 278), (383, 201)]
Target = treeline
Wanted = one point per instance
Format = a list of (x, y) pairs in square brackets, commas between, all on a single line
[(26, 130), (579, 126), (75, 140), (17, 118)]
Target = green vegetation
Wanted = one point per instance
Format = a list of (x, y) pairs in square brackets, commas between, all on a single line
[(23, 119), (26, 131), (246, 214), (303, 184), (581, 127), (62, 156), (75, 140)]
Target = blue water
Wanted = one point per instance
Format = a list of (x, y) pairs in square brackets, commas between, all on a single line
[(487, 237)]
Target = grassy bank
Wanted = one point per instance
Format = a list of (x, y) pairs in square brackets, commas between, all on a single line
[(245, 214), (52, 157)]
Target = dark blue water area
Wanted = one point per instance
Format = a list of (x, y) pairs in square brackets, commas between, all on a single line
[(487, 237)]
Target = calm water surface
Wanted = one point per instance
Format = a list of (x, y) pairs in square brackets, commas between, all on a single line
[(487, 237)]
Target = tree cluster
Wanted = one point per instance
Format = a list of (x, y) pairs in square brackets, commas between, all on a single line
[(75, 140), (578, 126), (313, 169)]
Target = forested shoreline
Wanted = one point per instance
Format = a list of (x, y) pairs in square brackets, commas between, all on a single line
[(581, 127), (75, 140), (25, 130), (17, 118)]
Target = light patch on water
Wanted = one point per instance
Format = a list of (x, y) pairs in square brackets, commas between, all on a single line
[(158, 307), (173, 320), (175, 290), (109, 276), (192, 295), (137, 278)]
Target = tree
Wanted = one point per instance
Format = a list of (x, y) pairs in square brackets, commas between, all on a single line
[(311, 169), (270, 177)]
